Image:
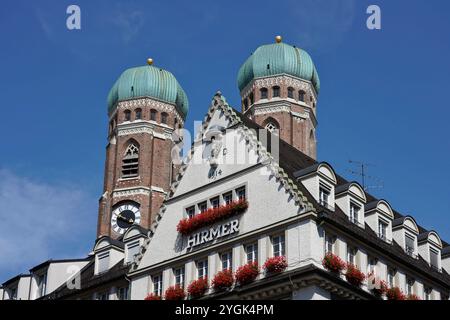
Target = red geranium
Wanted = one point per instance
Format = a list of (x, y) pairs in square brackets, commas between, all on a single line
[(395, 294), (247, 273), (152, 296), (174, 293), (275, 264), (354, 275), (210, 216), (223, 280), (198, 288), (333, 263), (377, 286)]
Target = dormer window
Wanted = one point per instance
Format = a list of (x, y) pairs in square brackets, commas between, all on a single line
[(324, 195), (434, 258), (354, 212), (382, 229), (103, 262), (410, 244), (132, 251), (41, 284)]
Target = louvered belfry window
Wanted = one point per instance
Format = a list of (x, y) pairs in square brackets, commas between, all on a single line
[(130, 165)]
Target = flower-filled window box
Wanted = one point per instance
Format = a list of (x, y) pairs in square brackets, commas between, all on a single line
[(395, 294), (211, 215), (223, 280), (354, 275), (174, 293), (275, 264), (333, 263), (152, 296), (198, 288), (247, 273), (377, 286)]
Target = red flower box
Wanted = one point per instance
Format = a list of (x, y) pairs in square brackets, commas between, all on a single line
[(413, 297), (174, 293), (377, 286), (152, 296), (247, 273), (210, 216), (354, 275), (223, 280), (275, 264), (395, 294), (333, 263), (198, 288)]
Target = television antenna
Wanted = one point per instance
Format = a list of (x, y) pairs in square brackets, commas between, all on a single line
[(361, 171)]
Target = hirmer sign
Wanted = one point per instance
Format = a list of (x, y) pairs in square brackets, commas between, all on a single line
[(213, 233)]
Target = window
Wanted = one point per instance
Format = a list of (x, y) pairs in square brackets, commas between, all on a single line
[(41, 284), (227, 260), (354, 212), (138, 114), (202, 207), (179, 276), (329, 243), (132, 250), (153, 113), (228, 197), (190, 212), (103, 262), (202, 269), (215, 202), (164, 117), (127, 115), (382, 229), (272, 127), (434, 258), (263, 92), (410, 242), (251, 251), (291, 92), (301, 95), (278, 246), (427, 293), (409, 286), (157, 285), (240, 192), (122, 293), (13, 295), (275, 91), (351, 255), (103, 296), (252, 99), (324, 195), (130, 162), (371, 265), (391, 277)]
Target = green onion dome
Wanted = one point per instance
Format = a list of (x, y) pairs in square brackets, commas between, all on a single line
[(148, 81)]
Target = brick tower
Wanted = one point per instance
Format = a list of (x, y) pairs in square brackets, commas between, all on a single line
[(279, 86), (145, 105)]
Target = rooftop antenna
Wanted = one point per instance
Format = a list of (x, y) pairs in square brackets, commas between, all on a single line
[(362, 173)]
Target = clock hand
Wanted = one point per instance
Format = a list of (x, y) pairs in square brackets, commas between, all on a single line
[(125, 219)]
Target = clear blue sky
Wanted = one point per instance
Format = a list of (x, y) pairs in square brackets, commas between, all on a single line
[(384, 99)]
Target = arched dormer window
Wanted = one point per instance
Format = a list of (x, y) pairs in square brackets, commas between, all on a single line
[(291, 92), (130, 161), (153, 113), (263, 92), (164, 117), (301, 95), (275, 91), (138, 114), (127, 115)]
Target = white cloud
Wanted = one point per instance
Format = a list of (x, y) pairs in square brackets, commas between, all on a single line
[(39, 221)]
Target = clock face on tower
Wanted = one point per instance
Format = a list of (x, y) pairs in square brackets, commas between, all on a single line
[(124, 217)]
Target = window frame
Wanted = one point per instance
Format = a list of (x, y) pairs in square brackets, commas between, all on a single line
[(253, 253), (278, 247), (179, 276), (157, 284), (202, 268), (228, 256)]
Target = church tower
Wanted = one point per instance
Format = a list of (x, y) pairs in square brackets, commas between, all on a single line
[(145, 105), (279, 86)]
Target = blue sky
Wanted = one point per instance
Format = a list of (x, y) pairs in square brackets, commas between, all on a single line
[(383, 99)]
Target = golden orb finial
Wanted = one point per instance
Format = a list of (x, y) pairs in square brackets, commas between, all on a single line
[(149, 61), (278, 39)]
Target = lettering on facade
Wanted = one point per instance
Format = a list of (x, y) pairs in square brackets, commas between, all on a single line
[(213, 233)]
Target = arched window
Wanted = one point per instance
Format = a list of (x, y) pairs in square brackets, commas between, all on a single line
[(252, 98), (164, 117), (275, 91), (291, 92), (127, 115), (263, 92), (138, 114), (272, 125), (153, 113), (301, 95), (130, 162)]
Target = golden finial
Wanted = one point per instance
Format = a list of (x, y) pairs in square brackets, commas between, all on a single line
[(149, 61), (278, 39)]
